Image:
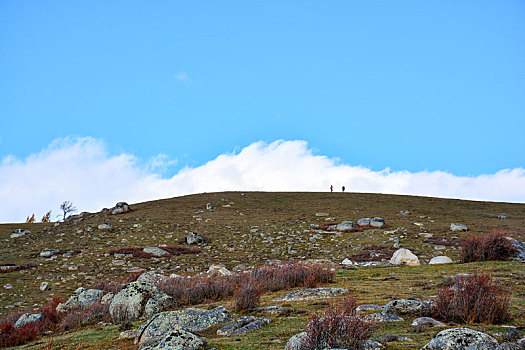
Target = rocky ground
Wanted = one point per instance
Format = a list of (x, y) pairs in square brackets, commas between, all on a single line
[(235, 229)]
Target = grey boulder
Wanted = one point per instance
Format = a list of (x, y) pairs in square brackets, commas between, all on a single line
[(193, 238), (462, 339), (175, 339), (458, 227), (190, 319), (156, 251), (243, 325), (427, 321), (311, 294), (47, 253), (297, 342), (19, 232), (377, 317), (408, 307), (364, 221), (28, 318), (120, 208), (378, 222), (345, 225), (130, 302), (81, 298)]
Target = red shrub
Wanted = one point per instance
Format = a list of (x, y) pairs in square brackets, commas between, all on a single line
[(490, 246), (80, 317), (248, 295), (337, 327), (473, 298), (115, 286)]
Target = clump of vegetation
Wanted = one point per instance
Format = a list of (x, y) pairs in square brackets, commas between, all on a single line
[(487, 247), (47, 217), (337, 326), (474, 298), (198, 290), (81, 317), (114, 286), (138, 252), (67, 207), (11, 336), (30, 219), (248, 295)]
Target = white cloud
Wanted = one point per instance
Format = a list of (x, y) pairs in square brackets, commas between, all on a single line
[(182, 77), (81, 170)]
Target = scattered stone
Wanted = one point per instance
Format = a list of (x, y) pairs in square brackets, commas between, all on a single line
[(132, 298), (322, 214), (311, 294), (19, 232), (274, 310), (404, 212), (407, 307), (150, 277), (347, 262), (458, 227), (388, 338), (194, 238), (378, 222), (345, 225), (155, 251), (129, 334), (426, 234), (520, 250), (368, 307), (461, 339), (120, 208), (371, 345), (138, 226), (190, 319), (8, 286), (503, 216), (28, 318), (404, 257), (105, 226), (209, 206), (218, 270), (377, 317), (427, 321), (297, 342), (243, 325), (175, 339), (47, 253), (81, 298), (442, 259), (364, 221), (44, 286)]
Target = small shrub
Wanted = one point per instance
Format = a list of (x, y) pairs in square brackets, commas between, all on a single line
[(115, 286), (337, 327), (30, 219), (474, 298), (47, 217), (81, 317), (248, 295), (487, 247)]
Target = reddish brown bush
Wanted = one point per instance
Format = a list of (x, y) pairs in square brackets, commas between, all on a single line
[(115, 286), (337, 327), (473, 298), (138, 252), (248, 295), (487, 247), (82, 317)]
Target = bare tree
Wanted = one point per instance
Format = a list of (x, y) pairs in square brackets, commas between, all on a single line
[(67, 207)]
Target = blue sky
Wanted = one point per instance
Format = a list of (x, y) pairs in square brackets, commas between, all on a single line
[(405, 85)]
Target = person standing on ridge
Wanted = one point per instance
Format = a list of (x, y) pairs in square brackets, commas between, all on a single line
[(331, 188), (343, 188)]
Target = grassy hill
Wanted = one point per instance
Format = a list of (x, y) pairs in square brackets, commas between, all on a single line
[(250, 228)]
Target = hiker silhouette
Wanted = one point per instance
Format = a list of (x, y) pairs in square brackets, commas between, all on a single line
[(343, 188)]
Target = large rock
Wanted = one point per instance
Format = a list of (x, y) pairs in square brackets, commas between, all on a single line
[(47, 253), (19, 232), (129, 303), (442, 259), (190, 319), (404, 257), (120, 208), (219, 270), (28, 318), (311, 294), (378, 222), (175, 339), (193, 238), (408, 307), (462, 339), (243, 325), (377, 317), (520, 249), (345, 225), (155, 251), (364, 221), (458, 227), (427, 321), (297, 342), (81, 298)]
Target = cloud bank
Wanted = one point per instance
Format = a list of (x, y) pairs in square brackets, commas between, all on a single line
[(81, 170)]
